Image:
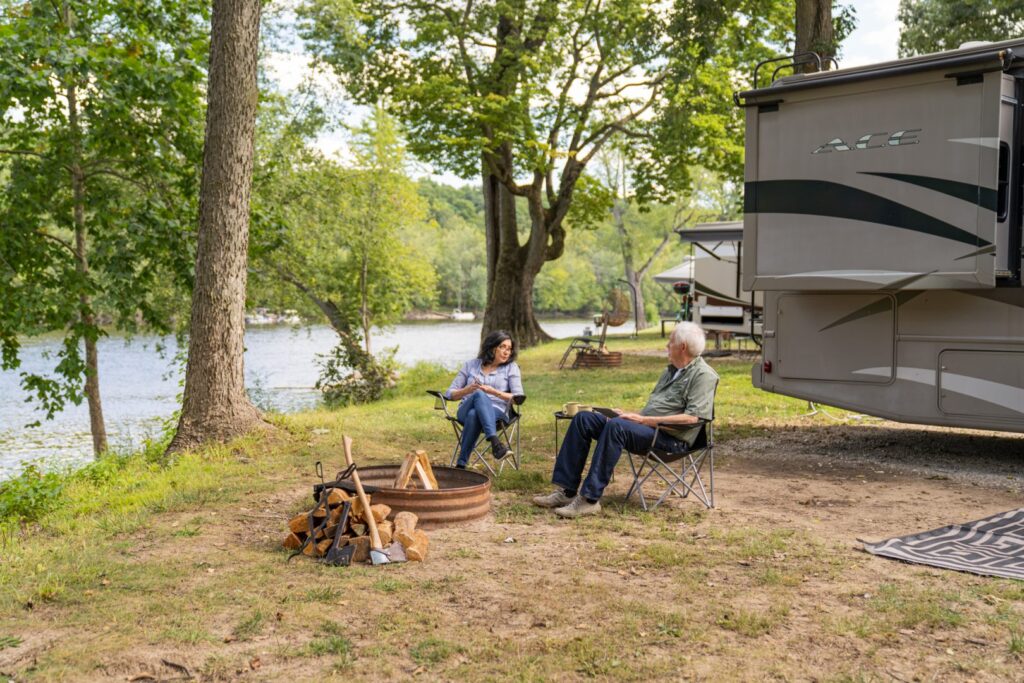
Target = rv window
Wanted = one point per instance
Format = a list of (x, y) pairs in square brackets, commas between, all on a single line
[(1004, 180)]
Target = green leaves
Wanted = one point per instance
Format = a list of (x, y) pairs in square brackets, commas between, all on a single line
[(936, 25), (106, 94)]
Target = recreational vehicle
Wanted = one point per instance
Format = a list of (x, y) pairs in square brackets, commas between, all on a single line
[(712, 275), (883, 224)]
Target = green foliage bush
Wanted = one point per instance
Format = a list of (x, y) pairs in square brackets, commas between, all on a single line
[(350, 376), (30, 494)]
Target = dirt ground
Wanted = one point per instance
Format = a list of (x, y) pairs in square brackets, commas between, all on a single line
[(770, 585)]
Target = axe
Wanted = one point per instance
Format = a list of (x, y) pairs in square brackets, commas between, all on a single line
[(377, 554)]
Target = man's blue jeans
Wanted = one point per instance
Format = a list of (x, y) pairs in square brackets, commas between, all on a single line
[(476, 413), (613, 436)]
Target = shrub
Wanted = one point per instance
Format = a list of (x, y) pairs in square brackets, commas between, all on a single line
[(349, 375), (30, 494)]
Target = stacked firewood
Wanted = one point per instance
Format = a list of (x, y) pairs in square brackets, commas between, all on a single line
[(354, 531)]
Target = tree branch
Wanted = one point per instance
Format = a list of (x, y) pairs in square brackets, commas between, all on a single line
[(62, 242), (24, 152), (641, 272), (601, 135)]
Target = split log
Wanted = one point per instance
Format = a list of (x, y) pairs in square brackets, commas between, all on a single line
[(406, 470), (362, 548), (299, 524), (357, 512), (386, 529), (323, 546), (292, 541), (405, 525), (425, 471), (406, 521), (337, 497), (417, 550), (319, 512), (380, 512)]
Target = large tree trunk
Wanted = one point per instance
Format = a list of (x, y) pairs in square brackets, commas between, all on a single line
[(216, 406), (97, 426), (814, 32), (511, 268)]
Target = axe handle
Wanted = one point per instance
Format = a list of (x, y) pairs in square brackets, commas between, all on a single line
[(371, 523)]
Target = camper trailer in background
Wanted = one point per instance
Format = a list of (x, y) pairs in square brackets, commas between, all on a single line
[(883, 224), (713, 277)]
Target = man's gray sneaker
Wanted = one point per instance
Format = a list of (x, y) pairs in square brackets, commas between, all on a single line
[(579, 507), (556, 499)]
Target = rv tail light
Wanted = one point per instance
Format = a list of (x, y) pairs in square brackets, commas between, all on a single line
[(767, 367)]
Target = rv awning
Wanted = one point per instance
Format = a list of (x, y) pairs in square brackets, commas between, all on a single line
[(731, 231), (681, 273)]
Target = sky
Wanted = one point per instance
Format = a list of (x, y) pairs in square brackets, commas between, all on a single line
[(874, 40), (877, 34)]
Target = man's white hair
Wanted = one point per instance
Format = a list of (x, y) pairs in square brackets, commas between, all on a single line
[(691, 335)]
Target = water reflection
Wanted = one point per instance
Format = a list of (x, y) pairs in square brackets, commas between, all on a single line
[(140, 382)]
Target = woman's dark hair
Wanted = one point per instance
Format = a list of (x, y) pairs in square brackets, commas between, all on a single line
[(493, 341)]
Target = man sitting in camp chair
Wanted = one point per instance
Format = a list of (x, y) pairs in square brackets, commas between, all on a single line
[(684, 395)]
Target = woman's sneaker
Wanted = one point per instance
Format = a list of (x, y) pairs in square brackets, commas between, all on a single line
[(555, 499), (499, 450)]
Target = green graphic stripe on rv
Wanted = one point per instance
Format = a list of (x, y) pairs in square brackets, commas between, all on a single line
[(822, 198), (990, 249), (975, 194), (996, 393), (883, 305), (701, 289)]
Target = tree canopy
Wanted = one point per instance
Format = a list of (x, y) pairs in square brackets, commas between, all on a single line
[(937, 25), (99, 144), (525, 93)]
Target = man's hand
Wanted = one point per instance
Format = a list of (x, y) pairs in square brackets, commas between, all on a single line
[(632, 417)]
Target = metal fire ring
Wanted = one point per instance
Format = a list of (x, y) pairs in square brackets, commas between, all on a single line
[(462, 495)]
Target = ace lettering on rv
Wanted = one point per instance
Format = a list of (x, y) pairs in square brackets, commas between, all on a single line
[(900, 137)]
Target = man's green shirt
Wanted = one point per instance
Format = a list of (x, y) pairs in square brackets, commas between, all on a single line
[(690, 391)]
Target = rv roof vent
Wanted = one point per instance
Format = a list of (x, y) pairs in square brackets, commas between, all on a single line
[(974, 43)]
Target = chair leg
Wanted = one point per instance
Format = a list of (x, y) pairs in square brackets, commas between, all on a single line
[(683, 482), (458, 442), (638, 480), (711, 473)]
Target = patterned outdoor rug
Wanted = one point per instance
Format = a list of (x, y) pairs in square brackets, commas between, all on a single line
[(993, 546)]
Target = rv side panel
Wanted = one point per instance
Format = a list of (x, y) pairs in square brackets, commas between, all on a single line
[(889, 184)]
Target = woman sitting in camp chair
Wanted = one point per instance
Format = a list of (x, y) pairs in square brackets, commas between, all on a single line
[(486, 386)]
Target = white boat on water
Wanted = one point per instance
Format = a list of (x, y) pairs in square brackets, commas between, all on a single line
[(459, 314), (263, 316)]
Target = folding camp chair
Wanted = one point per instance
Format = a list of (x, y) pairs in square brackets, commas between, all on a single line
[(578, 344), (508, 431), (680, 469)]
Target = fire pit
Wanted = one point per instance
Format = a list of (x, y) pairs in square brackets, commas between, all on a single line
[(462, 495), (589, 358)]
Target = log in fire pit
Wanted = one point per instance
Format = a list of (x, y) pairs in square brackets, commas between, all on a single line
[(462, 496)]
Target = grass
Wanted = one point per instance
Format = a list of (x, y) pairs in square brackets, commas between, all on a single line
[(433, 651), (159, 557), (751, 623), (250, 626)]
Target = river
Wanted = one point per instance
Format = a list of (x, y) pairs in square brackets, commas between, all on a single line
[(141, 385)]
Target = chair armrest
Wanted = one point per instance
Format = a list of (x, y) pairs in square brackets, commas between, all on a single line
[(660, 425), (436, 394), (519, 399)]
